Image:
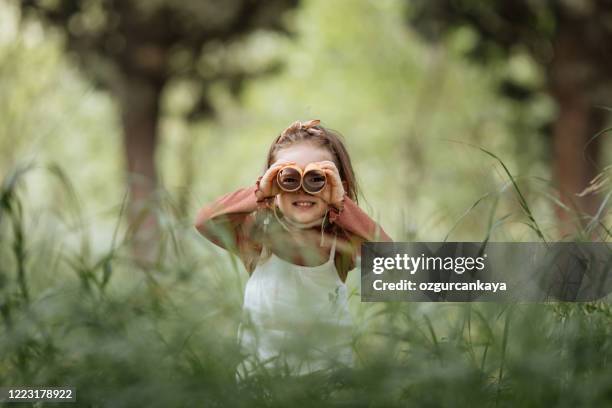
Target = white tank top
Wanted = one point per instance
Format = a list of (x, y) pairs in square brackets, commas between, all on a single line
[(295, 317)]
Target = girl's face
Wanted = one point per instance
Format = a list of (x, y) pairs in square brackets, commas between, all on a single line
[(292, 204)]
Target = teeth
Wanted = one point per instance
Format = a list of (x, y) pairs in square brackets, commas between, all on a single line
[(303, 203)]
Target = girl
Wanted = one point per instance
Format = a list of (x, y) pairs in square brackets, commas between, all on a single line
[(298, 248)]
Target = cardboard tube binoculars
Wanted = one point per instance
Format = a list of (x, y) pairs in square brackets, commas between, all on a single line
[(290, 178)]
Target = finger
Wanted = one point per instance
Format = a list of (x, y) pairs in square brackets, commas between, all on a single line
[(329, 166), (271, 174), (336, 183), (275, 169), (333, 179), (325, 193), (277, 166)]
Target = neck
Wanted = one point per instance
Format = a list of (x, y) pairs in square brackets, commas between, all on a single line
[(294, 226), (302, 225)]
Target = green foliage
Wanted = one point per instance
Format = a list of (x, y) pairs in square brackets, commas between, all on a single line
[(165, 336), (74, 308)]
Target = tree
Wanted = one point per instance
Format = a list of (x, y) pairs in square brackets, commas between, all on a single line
[(569, 41), (133, 48)]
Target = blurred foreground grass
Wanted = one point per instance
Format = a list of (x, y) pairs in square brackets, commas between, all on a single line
[(165, 335)]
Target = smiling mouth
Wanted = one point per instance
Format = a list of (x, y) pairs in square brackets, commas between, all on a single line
[(304, 204)]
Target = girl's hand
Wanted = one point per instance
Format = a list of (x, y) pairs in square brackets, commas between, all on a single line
[(268, 187), (333, 192)]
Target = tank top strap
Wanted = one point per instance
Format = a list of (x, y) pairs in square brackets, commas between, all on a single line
[(332, 252)]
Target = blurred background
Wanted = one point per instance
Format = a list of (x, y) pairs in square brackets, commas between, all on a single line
[(188, 98), (464, 120)]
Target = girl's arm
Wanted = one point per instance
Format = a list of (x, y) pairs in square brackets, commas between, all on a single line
[(360, 228), (222, 221), (345, 212), (355, 221)]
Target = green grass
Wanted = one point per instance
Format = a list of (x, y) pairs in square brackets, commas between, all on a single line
[(124, 335)]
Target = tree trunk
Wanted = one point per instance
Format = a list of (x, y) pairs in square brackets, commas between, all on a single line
[(575, 162), (140, 113)]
